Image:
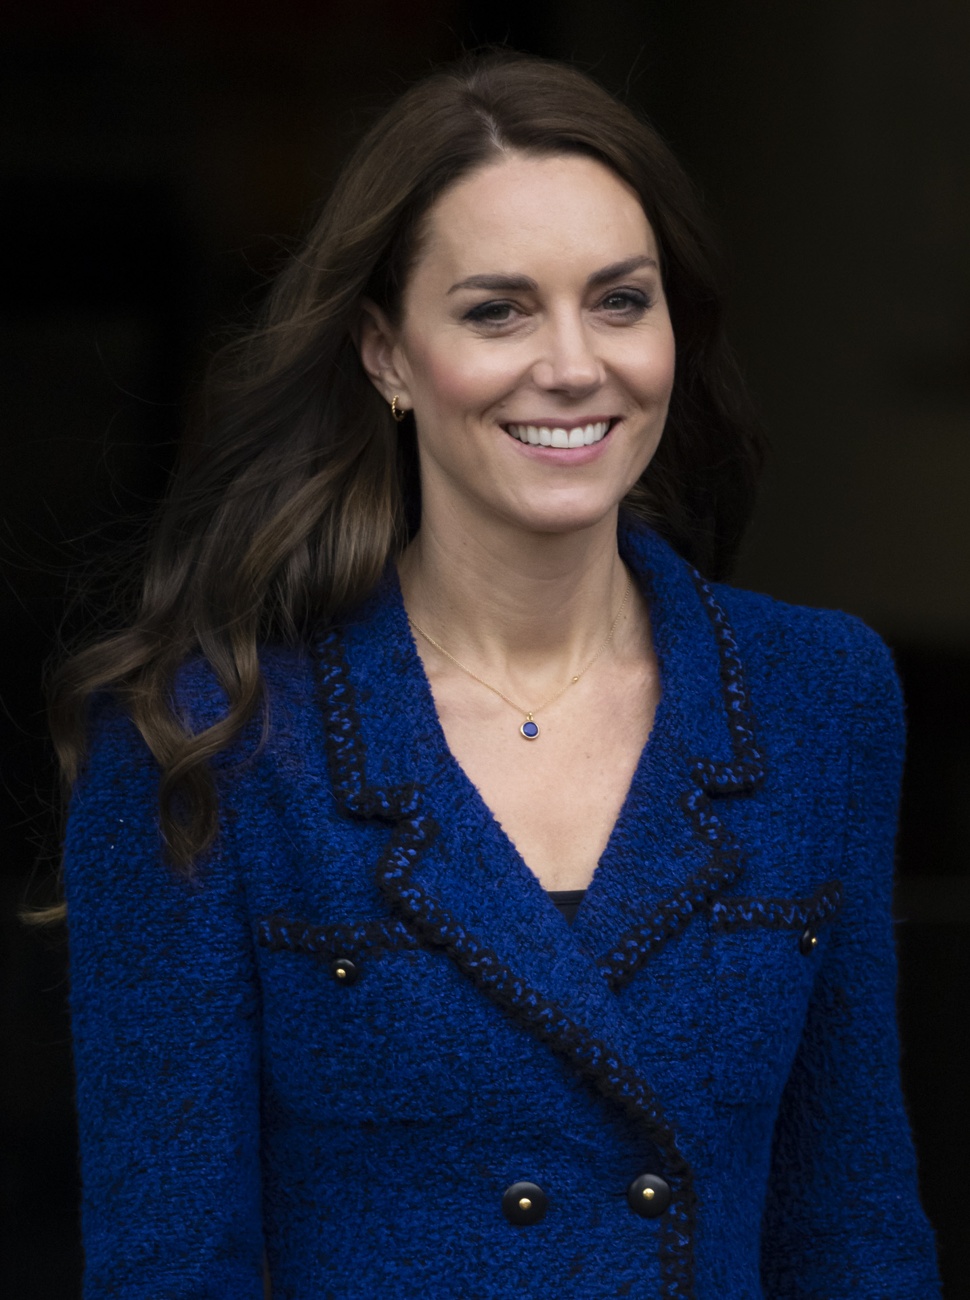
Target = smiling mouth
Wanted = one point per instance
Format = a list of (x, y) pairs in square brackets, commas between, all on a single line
[(580, 435)]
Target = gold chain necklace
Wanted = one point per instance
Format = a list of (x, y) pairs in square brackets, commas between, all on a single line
[(529, 728)]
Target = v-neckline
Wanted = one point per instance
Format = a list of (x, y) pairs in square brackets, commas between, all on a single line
[(636, 796), (447, 853)]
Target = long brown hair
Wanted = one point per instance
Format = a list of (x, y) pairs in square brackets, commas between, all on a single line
[(297, 486)]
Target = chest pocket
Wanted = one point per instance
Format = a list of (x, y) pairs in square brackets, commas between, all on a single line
[(359, 1022), (765, 955)]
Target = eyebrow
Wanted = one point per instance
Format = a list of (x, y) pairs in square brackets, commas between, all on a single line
[(618, 269), (523, 284)]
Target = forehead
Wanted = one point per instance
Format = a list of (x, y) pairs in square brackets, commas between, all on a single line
[(522, 213)]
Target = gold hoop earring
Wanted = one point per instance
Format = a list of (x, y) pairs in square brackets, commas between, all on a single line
[(396, 410)]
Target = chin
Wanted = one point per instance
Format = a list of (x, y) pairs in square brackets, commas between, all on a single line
[(568, 517)]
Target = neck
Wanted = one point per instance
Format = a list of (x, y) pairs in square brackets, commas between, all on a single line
[(527, 606)]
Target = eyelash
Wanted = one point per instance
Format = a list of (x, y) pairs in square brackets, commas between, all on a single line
[(636, 299), (479, 315), (636, 302)]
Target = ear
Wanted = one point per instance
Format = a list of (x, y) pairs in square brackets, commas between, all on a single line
[(377, 342)]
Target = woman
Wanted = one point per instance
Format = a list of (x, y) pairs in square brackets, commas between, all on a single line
[(381, 722)]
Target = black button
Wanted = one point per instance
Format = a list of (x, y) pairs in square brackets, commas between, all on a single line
[(524, 1203), (343, 970), (648, 1195), (808, 942)]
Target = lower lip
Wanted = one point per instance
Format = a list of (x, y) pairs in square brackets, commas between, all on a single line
[(563, 455)]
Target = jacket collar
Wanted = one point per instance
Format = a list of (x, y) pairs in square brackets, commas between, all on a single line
[(668, 854), (703, 703)]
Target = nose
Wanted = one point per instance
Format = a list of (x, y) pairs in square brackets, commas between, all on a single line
[(568, 361)]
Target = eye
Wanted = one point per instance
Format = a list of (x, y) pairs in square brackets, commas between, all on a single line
[(491, 313), (627, 302)]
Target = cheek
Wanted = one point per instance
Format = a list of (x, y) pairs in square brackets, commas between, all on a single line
[(651, 369), (460, 377)]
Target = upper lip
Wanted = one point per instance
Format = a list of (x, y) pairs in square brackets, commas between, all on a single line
[(564, 422)]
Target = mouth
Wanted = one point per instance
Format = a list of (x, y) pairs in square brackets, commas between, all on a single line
[(561, 436)]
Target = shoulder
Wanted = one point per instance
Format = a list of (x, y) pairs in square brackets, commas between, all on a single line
[(287, 684), (199, 701), (797, 644), (821, 665), (806, 641), (802, 667)]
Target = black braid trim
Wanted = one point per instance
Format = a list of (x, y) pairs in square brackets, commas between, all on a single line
[(637, 945), (778, 913), (591, 1058), (641, 942), (325, 942), (345, 748), (747, 769)]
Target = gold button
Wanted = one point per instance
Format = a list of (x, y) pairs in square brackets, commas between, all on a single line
[(340, 973), (648, 1193), (525, 1203)]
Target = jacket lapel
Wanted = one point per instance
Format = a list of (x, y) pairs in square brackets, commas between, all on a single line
[(668, 856), (389, 759)]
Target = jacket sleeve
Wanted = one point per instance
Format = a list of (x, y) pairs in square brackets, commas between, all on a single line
[(843, 1216), (164, 1015)]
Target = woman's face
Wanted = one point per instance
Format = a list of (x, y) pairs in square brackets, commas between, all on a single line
[(535, 346)]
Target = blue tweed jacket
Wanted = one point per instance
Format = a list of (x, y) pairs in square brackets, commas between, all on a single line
[(364, 1020)]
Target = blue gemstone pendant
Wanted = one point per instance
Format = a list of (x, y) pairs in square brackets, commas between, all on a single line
[(529, 729)]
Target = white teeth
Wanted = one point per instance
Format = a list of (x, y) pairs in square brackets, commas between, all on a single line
[(578, 436)]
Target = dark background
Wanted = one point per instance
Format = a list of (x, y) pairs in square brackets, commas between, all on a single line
[(156, 161)]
